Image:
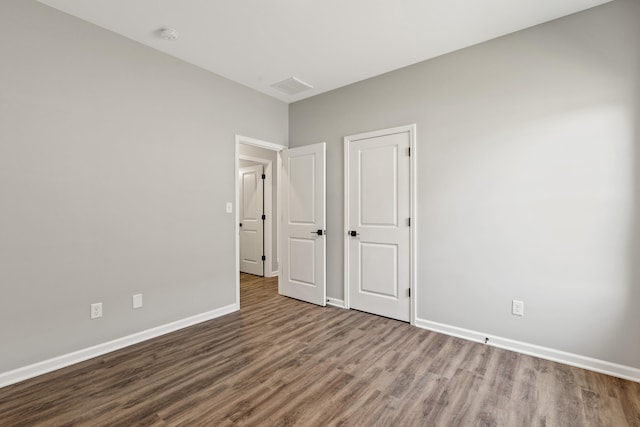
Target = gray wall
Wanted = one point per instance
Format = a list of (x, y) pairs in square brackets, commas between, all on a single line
[(261, 153), (115, 165), (528, 179)]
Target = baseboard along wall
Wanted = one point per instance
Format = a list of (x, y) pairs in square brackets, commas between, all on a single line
[(59, 362), (335, 302), (40, 368), (579, 361)]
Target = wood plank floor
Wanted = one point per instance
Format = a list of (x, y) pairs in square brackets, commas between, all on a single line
[(283, 362)]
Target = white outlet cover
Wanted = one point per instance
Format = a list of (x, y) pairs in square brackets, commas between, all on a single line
[(229, 207), (517, 307), (137, 301), (96, 310)]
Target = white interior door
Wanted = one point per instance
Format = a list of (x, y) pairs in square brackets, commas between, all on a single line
[(251, 222), (303, 231), (377, 198)]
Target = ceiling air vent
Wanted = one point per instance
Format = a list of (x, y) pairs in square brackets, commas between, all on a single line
[(292, 86)]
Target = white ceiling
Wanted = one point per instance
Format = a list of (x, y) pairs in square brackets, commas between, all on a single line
[(326, 43)]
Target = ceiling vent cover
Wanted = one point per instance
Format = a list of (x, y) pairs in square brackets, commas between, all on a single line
[(292, 86)]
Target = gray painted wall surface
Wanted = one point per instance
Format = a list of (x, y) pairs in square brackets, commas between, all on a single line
[(115, 165), (528, 180), (249, 150)]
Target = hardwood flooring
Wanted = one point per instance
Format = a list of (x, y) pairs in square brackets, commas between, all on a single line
[(283, 362)]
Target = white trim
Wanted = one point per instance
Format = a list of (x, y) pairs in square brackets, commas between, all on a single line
[(413, 251), (268, 210), (260, 143), (236, 214), (239, 139), (345, 222), (597, 365), (254, 158), (40, 368), (279, 209), (275, 273), (413, 212), (335, 302)]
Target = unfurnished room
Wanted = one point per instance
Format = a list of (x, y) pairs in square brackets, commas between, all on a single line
[(305, 213)]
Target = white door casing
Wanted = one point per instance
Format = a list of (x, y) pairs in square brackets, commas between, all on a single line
[(303, 227), (378, 207), (240, 139), (251, 223)]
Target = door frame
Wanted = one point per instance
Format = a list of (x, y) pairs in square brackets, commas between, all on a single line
[(412, 209), (239, 139)]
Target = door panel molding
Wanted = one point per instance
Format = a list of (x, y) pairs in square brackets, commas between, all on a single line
[(303, 224), (348, 140), (251, 210), (269, 238)]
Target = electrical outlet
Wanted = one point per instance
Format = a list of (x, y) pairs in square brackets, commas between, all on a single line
[(229, 207), (517, 307), (137, 301), (96, 310)]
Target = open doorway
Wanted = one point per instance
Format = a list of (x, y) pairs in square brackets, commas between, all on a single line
[(257, 238)]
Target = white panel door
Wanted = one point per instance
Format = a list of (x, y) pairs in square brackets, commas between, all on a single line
[(251, 223), (379, 237), (303, 231)]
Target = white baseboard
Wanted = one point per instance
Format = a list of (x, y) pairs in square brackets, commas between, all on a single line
[(602, 366), (39, 368), (272, 274), (335, 302)]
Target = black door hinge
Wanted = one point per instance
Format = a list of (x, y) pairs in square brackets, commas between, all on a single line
[(409, 151), (264, 176), (264, 258), (409, 292), (264, 217)]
